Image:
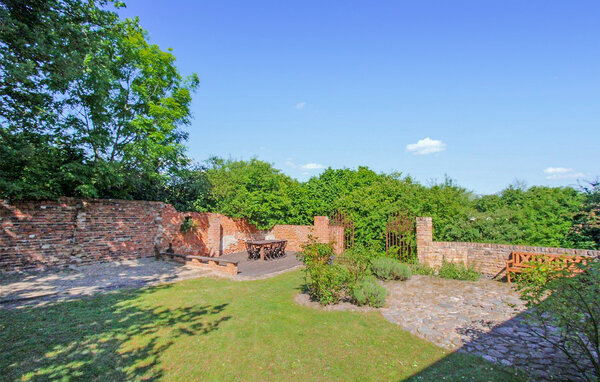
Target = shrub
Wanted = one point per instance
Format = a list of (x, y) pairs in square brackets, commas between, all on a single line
[(390, 269), (188, 225), (559, 299), (324, 281), (358, 260), (327, 283), (422, 269), (535, 277), (316, 253), (369, 292), (458, 272)]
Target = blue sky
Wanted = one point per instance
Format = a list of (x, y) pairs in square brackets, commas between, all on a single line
[(484, 91)]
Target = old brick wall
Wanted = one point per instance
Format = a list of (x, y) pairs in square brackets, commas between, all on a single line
[(489, 259), (48, 234), (296, 235), (37, 235), (215, 234)]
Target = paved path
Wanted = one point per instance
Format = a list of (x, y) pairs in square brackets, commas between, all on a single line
[(36, 289), (483, 318)]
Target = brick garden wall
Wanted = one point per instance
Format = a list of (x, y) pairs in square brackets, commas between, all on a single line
[(37, 235), (296, 235), (49, 234), (489, 259)]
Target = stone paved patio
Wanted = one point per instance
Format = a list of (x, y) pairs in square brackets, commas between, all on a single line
[(259, 268), (483, 318)]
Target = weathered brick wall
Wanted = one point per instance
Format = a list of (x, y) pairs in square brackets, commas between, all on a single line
[(296, 235), (215, 234), (489, 259), (48, 234), (31, 234), (37, 235)]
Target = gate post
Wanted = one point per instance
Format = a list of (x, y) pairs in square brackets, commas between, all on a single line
[(321, 229), (424, 238)]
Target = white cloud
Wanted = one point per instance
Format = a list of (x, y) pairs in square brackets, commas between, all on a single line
[(300, 105), (312, 166), (306, 167), (562, 173), (426, 146)]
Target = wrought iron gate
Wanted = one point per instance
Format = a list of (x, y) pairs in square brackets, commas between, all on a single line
[(401, 237), (343, 236)]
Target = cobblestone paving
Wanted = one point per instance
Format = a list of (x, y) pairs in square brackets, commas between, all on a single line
[(483, 318)]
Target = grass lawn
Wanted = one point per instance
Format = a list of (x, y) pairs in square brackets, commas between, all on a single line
[(217, 329)]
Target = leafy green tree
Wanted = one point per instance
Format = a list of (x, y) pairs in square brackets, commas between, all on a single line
[(89, 106), (333, 184), (585, 231), (256, 191), (534, 216)]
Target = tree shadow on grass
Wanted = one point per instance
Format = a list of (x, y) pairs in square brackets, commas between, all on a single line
[(116, 336)]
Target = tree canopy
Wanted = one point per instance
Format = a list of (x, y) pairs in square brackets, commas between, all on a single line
[(88, 106)]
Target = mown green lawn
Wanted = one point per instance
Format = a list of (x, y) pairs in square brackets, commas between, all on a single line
[(217, 329)]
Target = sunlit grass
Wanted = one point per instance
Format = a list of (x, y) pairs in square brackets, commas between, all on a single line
[(215, 329)]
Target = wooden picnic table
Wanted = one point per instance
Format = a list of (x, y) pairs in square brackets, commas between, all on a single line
[(265, 249)]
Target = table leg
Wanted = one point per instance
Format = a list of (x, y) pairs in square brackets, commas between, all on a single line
[(262, 253)]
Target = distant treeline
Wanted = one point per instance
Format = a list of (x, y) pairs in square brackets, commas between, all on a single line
[(544, 216)]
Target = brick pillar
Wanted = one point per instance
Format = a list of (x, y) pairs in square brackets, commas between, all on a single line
[(424, 238), (213, 240), (321, 229), (337, 236)]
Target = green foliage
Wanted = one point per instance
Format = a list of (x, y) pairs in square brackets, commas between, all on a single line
[(535, 277), (361, 255), (390, 269), (421, 269), (89, 107), (557, 299), (369, 292), (535, 216), (256, 191), (358, 261), (324, 281), (327, 283), (329, 279), (314, 253), (188, 225), (450, 270), (585, 230)]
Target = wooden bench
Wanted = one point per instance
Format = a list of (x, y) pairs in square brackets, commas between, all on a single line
[(520, 261), (216, 263)]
